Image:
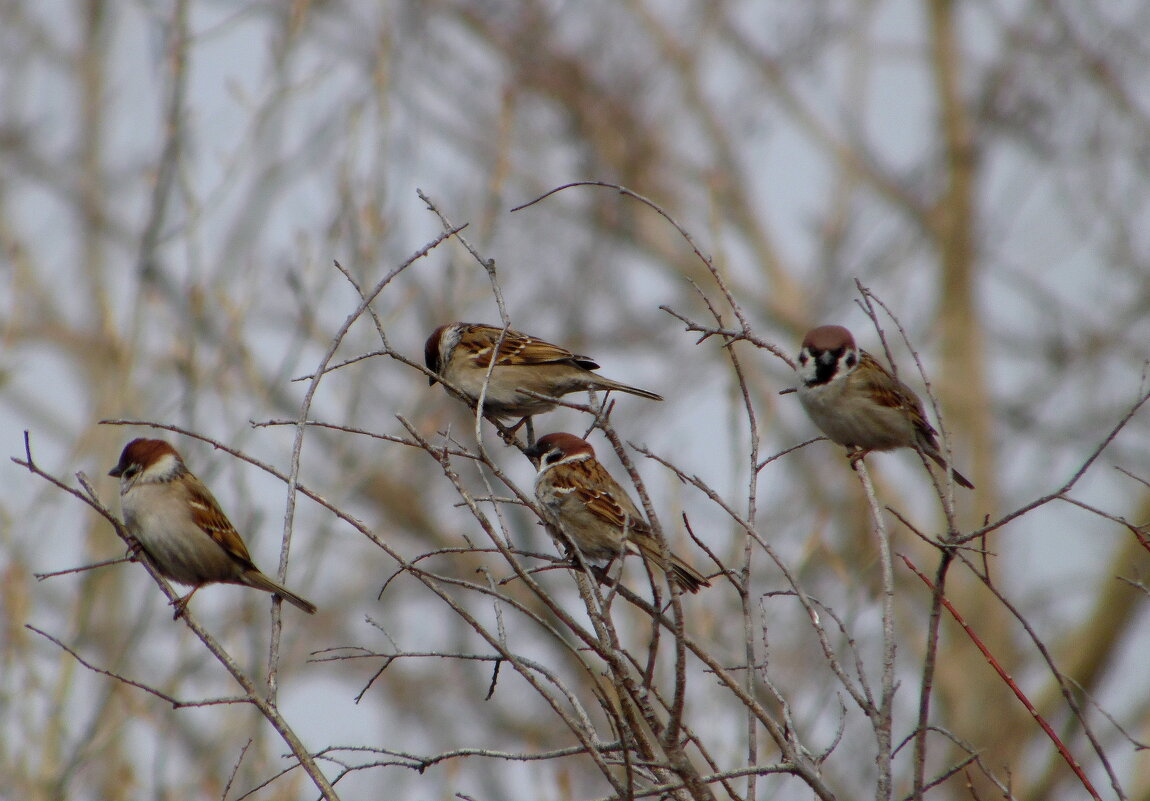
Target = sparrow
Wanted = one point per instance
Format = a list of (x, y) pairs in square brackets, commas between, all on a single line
[(181, 526), (581, 499), (858, 403), (460, 354)]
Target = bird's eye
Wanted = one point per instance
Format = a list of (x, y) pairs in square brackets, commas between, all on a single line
[(852, 359), (552, 457), (132, 471), (803, 357)]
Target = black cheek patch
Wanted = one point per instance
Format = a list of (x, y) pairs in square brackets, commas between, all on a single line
[(824, 373)]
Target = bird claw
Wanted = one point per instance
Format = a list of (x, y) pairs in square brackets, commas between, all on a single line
[(511, 435), (600, 572), (181, 604), (602, 576), (134, 551)]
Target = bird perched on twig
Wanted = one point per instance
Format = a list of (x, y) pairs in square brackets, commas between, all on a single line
[(461, 353), (858, 403), (581, 499), (181, 526)]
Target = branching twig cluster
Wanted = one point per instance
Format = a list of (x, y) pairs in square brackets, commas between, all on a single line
[(643, 691)]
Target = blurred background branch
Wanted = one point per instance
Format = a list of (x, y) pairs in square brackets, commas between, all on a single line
[(176, 179)]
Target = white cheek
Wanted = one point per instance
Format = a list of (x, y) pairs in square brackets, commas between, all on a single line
[(807, 370), (447, 346), (162, 469)]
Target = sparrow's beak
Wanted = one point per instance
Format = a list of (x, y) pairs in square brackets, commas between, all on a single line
[(116, 471), (534, 452)]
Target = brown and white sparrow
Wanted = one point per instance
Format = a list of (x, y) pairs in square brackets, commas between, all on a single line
[(858, 403), (181, 526), (581, 499), (461, 353)]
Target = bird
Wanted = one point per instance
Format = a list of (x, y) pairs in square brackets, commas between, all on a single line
[(588, 507), (856, 402), (460, 354), (181, 527)]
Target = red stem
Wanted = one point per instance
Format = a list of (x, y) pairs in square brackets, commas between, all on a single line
[(1066, 755)]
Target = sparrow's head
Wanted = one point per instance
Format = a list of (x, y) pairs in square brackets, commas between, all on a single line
[(828, 352), (147, 460), (438, 347), (558, 448)]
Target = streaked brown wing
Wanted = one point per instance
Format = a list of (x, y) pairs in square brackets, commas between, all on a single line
[(886, 390), (208, 515), (599, 493), (518, 348), (612, 507)]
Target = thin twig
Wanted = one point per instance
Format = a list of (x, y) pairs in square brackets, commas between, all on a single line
[(1009, 681), (267, 709), (883, 719), (175, 702)]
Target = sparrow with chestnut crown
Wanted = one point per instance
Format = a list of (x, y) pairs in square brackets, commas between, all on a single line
[(581, 499), (856, 402), (461, 354), (181, 526)]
